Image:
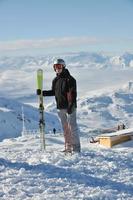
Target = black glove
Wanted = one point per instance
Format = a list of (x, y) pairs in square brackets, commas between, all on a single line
[(45, 93), (38, 91)]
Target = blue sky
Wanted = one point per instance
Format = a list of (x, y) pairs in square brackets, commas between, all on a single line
[(52, 26)]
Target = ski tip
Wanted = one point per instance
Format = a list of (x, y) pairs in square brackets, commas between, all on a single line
[(39, 70)]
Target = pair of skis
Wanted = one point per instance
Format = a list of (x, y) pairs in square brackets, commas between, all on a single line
[(41, 108)]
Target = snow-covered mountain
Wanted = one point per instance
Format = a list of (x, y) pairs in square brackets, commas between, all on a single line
[(18, 74), (11, 124), (72, 59)]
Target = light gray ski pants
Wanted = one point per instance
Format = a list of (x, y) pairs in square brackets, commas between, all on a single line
[(70, 128)]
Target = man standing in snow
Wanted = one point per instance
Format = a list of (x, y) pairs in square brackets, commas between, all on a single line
[(65, 92)]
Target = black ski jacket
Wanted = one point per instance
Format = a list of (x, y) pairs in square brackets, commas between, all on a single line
[(64, 89)]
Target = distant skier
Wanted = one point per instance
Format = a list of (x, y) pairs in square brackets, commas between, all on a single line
[(65, 92), (54, 131), (121, 127)]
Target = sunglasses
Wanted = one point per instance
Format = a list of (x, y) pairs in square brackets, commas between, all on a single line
[(58, 66)]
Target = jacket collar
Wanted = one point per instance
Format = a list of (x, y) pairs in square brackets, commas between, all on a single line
[(64, 74)]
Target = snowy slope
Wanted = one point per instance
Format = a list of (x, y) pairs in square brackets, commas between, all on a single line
[(97, 173), (11, 118)]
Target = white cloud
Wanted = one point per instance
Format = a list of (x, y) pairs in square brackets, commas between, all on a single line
[(52, 45), (46, 43)]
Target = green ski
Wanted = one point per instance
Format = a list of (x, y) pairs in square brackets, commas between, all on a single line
[(41, 108)]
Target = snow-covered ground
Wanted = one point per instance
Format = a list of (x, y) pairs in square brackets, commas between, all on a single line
[(97, 173), (105, 99)]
